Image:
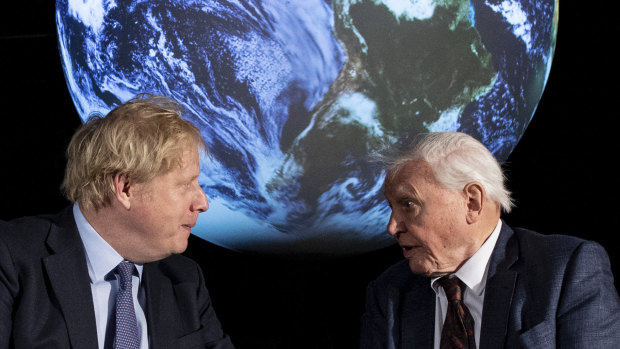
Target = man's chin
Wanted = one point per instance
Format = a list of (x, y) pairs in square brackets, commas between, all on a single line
[(416, 268), (423, 269), (181, 247)]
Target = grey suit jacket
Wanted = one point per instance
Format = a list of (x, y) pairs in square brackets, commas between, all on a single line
[(542, 291), (46, 301)]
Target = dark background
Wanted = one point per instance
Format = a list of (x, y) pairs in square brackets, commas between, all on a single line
[(561, 174)]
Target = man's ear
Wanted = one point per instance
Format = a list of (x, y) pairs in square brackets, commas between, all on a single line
[(475, 196), (121, 190)]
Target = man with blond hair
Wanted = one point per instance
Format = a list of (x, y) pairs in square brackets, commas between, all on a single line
[(469, 280), (106, 272)]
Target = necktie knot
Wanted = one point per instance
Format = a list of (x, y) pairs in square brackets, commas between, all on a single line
[(125, 271), (453, 287)]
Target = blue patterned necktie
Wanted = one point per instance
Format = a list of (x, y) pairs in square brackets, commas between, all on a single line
[(458, 327), (126, 336)]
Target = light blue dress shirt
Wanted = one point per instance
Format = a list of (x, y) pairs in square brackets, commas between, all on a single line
[(102, 259)]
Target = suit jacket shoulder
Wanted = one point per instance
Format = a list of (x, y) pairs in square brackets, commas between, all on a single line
[(549, 291), (45, 297), (30, 233), (398, 276), (400, 310)]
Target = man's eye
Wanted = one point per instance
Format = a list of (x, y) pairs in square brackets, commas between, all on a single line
[(411, 207), (408, 204)]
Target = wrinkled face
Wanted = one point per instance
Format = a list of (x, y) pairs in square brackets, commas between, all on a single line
[(428, 221), (166, 208)]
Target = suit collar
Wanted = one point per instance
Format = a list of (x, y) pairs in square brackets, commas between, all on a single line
[(499, 289), (506, 251), (159, 305), (101, 258), (68, 276), (418, 303)]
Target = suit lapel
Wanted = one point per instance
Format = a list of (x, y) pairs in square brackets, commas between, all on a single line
[(68, 275), (418, 303), (159, 301), (499, 290)]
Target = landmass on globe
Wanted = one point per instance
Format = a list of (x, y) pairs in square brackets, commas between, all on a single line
[(294, 97)]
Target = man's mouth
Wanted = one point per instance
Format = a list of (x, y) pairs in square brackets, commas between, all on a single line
[(409, 250), (408, 245)]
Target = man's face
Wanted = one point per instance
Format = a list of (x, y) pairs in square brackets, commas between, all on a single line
[(166, 208), (428, 221)]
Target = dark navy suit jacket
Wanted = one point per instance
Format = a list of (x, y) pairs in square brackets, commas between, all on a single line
[(542, 291), (46, 301)]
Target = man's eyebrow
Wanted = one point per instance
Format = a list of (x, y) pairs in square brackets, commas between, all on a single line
[(404, 191)]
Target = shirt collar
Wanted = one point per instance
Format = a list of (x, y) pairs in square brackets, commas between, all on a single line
[(474, 271), (100, 256)]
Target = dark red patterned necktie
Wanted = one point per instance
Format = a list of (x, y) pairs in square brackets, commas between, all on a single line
[(458, 328)]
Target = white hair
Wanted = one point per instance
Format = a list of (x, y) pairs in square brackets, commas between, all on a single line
[(456, 159)]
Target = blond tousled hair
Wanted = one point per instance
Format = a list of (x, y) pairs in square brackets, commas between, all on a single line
[(140, 139)]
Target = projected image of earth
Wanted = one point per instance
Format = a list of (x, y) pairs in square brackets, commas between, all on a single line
[(293, 96)]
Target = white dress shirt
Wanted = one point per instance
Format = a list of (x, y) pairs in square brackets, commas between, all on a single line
[(474, 275), (102, 259)]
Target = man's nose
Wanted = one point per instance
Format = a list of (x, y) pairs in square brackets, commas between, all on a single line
[(394, 227), (201, 203)]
